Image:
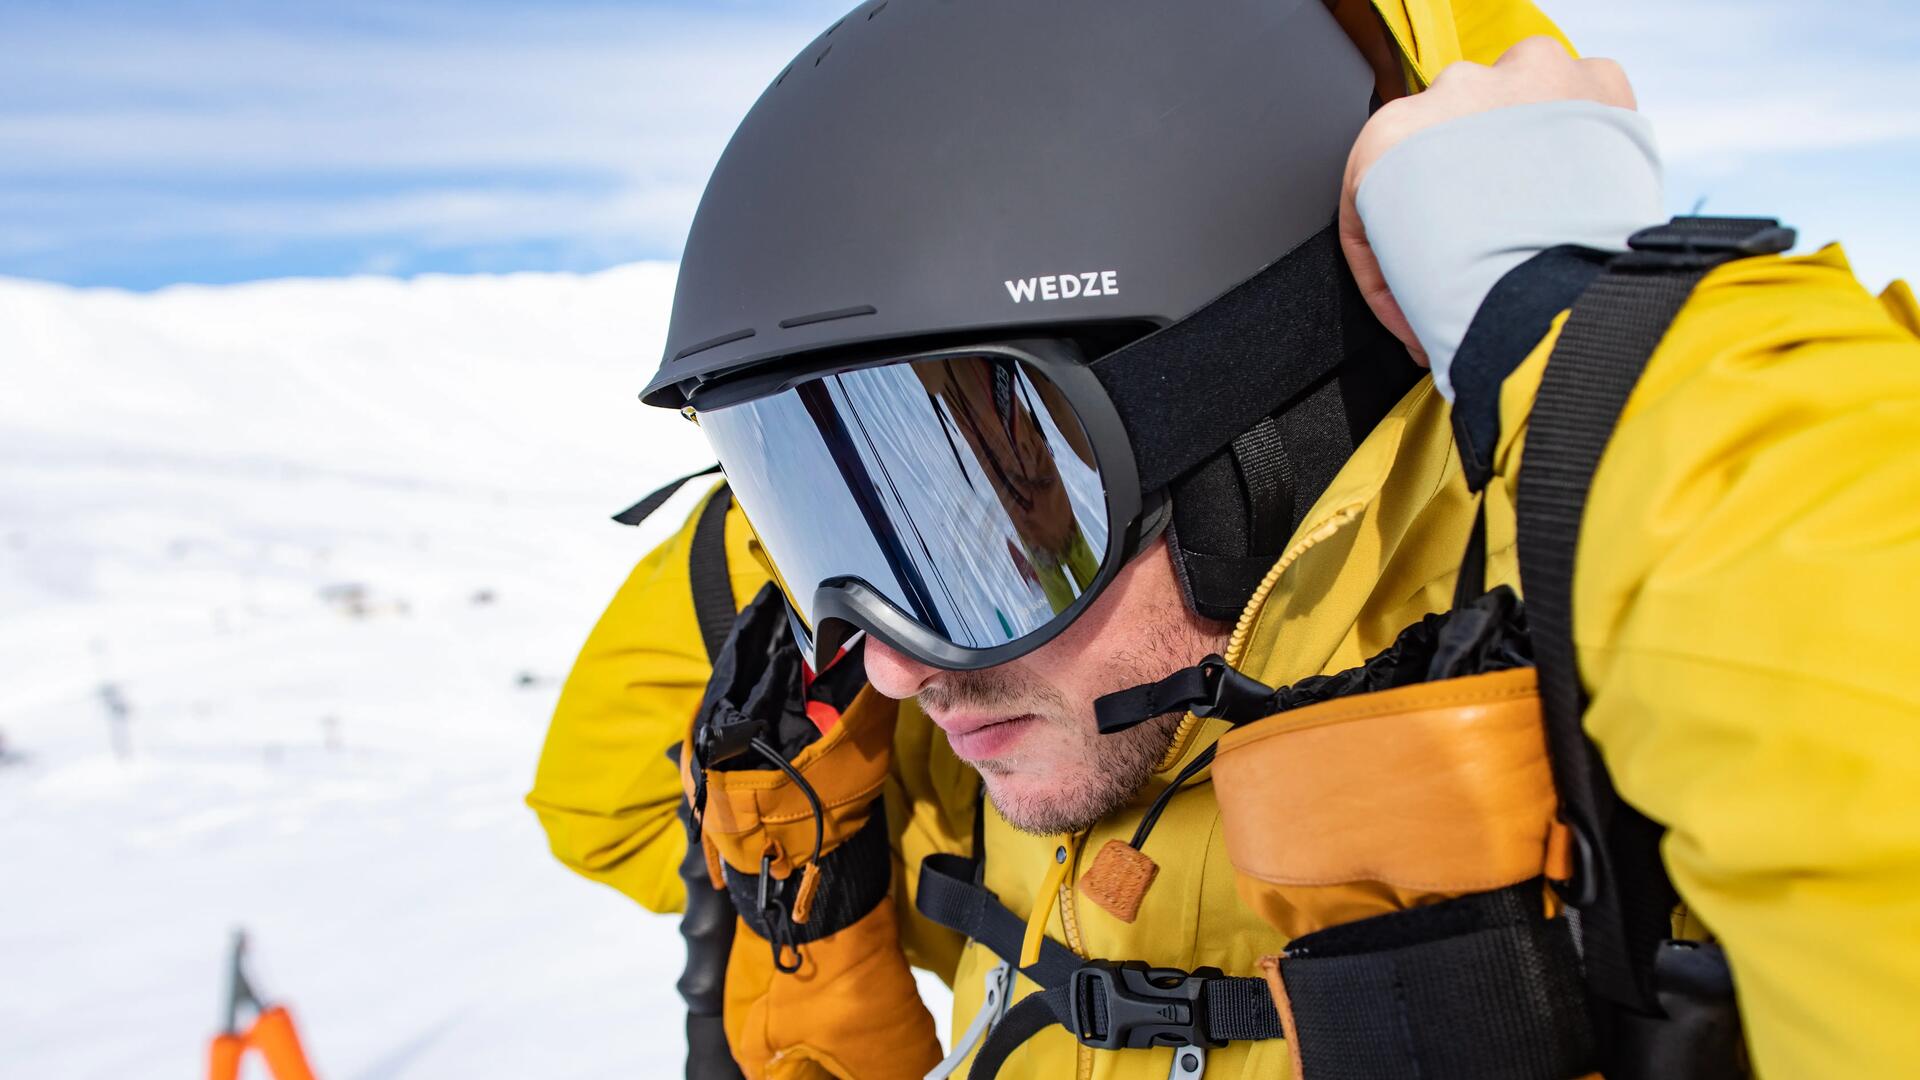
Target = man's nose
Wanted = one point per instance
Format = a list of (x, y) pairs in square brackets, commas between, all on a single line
[(895, 674)]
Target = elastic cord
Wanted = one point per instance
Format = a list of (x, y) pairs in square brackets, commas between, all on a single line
[(813, 797), (1152, 818)]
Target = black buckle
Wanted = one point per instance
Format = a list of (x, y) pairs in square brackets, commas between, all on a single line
[(725, 734), (1115, 1004), (779, 918), (1705, 241), (1210, 688), (1231, 694)]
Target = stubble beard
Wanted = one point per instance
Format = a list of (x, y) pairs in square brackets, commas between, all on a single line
[(1118, 766), (1107, 771)]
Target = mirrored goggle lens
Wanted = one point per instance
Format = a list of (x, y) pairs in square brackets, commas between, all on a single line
[(963, 490)]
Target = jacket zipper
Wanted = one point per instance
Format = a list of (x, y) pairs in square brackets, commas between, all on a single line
[(1243, 628)]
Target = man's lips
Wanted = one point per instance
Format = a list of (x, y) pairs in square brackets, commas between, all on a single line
[(979, 737)]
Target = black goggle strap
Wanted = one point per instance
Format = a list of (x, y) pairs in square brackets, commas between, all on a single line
[(1269, 339)]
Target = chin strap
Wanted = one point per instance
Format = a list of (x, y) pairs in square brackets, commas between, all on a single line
[(1211, 689)]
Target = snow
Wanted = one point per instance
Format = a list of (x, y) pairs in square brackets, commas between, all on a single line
[(331, 545)]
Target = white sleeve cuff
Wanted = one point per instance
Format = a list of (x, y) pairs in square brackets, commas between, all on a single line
[(1451, 209)]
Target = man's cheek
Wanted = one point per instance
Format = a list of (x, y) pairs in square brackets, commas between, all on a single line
[(1061, 756)]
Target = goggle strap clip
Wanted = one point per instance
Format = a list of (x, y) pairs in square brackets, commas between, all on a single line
[(1211, 689)]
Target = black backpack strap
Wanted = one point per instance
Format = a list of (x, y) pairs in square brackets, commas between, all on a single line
[(713, 606), (1619, 885), (709, 920), (642, 510), (1105, 1004), (710, 576), (708, 923), (1482, 985)]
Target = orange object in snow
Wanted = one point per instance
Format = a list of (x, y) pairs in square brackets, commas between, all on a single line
[(223, 1060), (271, 1034)]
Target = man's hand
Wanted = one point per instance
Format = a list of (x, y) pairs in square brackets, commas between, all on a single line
[(1535, 70)]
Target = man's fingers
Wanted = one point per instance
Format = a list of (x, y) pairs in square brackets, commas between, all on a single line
[(1538, 69), (1372, 283), (1536, 51), (1612, 80), (1461, 72)]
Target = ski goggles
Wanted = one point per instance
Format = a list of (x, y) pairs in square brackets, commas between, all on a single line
[(961, 505)]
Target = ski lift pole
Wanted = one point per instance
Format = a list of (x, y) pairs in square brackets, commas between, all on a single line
[(272, 1033)]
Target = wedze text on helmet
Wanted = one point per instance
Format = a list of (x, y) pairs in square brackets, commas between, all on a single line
[(1064, 286)]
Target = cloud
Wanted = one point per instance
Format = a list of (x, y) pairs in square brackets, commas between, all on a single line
[(576, 127), (218, 140), (1780, 108), (1726, 83)]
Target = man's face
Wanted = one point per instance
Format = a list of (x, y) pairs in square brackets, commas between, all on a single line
[(1028, 725)]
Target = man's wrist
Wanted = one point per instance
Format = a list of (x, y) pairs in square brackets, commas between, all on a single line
[(1452, 209)]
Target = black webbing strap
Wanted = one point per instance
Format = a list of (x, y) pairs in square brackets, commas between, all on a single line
[(1034, 1014), (657, 496), (642, 510), (1480, 986), (948, 896), (1102, 1003), (1212, 689), (1619, 886), (708, 574), (1472, 579), (1266, 476), (1178, 692), (708, 922), (713, 606)]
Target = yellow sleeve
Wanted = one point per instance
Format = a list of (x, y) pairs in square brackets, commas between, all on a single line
[(1744, 600), (1430, 34), (930, 800), (604, 791)]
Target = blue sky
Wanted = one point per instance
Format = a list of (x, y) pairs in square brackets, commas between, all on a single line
[(143, 144)]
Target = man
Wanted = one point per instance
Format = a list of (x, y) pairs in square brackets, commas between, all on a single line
[(1681, 608)]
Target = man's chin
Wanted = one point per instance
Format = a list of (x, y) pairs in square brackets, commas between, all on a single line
[(1046, 805)]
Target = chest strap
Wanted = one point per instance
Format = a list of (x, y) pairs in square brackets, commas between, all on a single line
[(1105, 1004)]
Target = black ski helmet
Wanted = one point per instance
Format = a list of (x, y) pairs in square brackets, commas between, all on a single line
[(918, 170)]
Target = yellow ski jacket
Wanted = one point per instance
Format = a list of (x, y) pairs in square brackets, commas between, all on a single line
[(1749, 564), (1753, 547), (1753, 544)]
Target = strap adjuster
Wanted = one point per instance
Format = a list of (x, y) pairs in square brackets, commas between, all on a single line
[(1694, 242), (1115, 1004), (1211, 688)]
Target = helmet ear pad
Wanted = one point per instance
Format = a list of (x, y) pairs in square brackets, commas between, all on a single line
[(1234, 515)]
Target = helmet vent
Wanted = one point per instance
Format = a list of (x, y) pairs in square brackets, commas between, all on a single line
[(826, 316), (882, 6), (822, 56), (713, 343)]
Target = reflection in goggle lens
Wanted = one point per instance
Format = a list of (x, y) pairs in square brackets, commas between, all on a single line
[(964, 490)]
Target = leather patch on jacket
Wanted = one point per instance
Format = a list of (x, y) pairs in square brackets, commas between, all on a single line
[(1118, 879)]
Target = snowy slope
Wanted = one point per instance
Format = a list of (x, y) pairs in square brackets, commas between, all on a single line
[(332, 544)]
